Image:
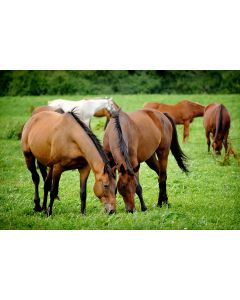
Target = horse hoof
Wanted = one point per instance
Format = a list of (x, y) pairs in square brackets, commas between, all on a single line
[(37, 209), (144, 208), (48, 212)]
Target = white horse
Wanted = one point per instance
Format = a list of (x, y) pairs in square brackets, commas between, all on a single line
[(85, 109)]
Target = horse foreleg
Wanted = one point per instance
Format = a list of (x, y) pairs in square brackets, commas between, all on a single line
[(84, 173), (56, 174), (30, 161), (152, 162), (139, 194), (225, 143), (186, 130)]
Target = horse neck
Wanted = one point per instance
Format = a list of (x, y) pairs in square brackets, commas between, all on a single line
[(92, 155), (198, 110), (122, 151), (98, 104), (218, 121)]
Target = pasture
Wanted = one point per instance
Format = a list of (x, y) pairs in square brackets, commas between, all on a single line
[(208, 198)]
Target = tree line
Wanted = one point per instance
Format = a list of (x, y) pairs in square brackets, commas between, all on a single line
[(20, 83)]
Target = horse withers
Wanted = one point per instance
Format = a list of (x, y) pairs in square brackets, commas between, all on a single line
[(62, 142), (182, 113), (217, 121), (142, 136)]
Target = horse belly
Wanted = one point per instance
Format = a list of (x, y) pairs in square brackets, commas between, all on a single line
[(147, 146), (75, 163)]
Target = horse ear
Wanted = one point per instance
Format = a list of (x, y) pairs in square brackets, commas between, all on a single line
[(122, 169), (136, 168)]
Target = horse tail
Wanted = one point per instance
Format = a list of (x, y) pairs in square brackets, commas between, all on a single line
[(218, 121), (176, 150)]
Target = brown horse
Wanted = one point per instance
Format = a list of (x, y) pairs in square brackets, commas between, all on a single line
[(216, 121), (182, 113), (105, 113), (132, 138), (63, 142)]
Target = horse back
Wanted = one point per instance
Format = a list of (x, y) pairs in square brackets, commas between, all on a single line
[(154, 131), (50, 137)]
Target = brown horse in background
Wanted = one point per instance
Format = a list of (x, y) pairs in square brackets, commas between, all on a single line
[(182, 113), (217, 121), (105, 113), (63, 142), (142, 136), (38, 109)]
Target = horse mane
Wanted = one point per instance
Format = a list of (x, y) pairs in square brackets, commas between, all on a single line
[(121, 141), (219, 121), (95, 141)]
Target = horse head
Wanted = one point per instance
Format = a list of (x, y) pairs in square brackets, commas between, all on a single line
[(105, 189), (127, 184), (217, 146), (111, 106)]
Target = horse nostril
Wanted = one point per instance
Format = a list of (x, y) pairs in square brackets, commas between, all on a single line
[(112, 211)]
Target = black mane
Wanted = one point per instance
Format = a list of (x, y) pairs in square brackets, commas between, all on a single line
[(95, 141), (121, 142)]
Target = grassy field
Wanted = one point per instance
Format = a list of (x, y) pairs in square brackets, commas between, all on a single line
[(208, 198)]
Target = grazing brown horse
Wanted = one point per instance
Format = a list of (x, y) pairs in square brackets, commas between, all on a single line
[(216, 121), (132, 138), (182, 113), (105, 113), (63, 142)]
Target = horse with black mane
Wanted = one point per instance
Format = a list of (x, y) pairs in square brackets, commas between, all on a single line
[(63, 142), (217, 121), (147, 136)]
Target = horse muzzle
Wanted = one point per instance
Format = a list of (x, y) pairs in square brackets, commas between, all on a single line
[(110, 209)]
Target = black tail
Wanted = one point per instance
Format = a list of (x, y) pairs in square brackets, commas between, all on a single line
[(176, 150)]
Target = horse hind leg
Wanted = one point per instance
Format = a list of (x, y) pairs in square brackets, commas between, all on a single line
[(30, 161), (42, 169), (56, 174), (47, 188), (162, 179)]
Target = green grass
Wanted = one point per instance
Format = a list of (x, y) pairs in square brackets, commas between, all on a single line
[(208, 198)]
